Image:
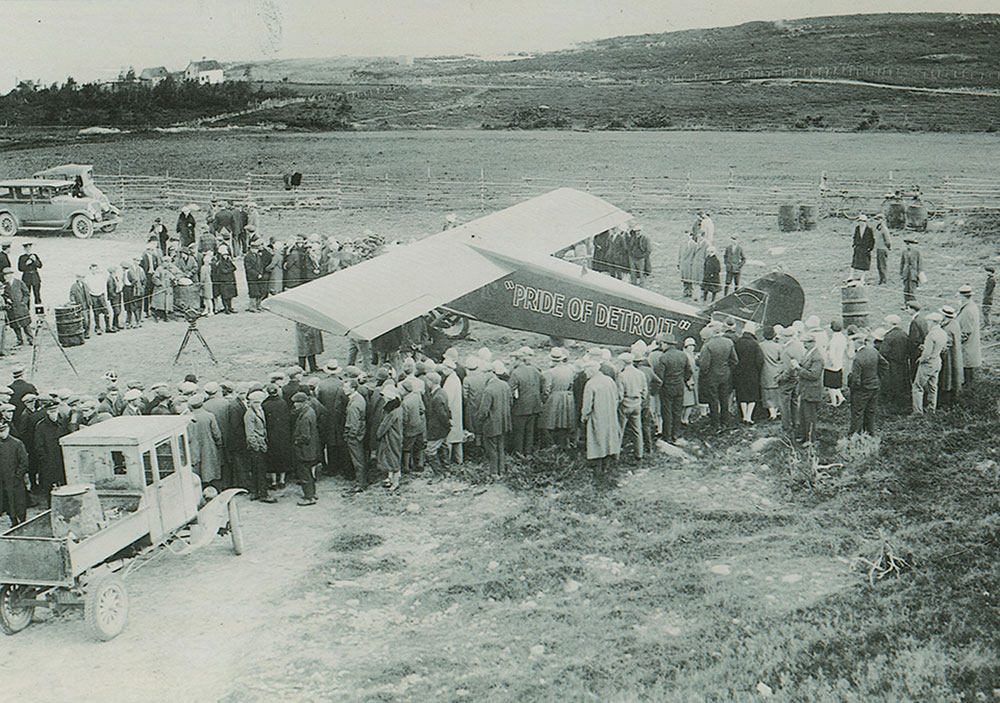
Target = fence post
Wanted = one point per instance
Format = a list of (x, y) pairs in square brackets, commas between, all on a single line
[(482, 188), (387, 191), (340, 192), (121, 183)]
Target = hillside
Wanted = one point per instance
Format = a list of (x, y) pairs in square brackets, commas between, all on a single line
[(823, 72)]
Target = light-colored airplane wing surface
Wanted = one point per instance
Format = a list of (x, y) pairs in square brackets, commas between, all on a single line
[(543, 225), (380, 294), (375, 296)]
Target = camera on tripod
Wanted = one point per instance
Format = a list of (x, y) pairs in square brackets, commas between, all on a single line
[(192, 314)]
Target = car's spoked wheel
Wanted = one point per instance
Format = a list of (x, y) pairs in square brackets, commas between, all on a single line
[(8, 225), (106, 608), (15, 617), (82, 227)]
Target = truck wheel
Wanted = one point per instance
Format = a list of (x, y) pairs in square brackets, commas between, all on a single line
[(14, 618), (110, 228), (105, 609), (82, 227), (8, 225), (235, 526)]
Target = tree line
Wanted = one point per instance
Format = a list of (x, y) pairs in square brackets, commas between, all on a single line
[(127, 102)]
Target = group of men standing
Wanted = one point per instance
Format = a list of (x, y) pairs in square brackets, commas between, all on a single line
[(623, 253)]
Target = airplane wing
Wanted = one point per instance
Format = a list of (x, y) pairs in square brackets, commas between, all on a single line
[(375, 296)]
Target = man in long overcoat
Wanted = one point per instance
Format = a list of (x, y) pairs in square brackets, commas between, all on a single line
[(389, 437), (305, 446), (206, 441), (863, 242), (494, 417), (13, 476), (278, 419), (895, 349), (255, 266), (599, 413), (910, 270), (809, 374), (48, 453), (558, 417), (970, 323), (526, 389), (17, 303)]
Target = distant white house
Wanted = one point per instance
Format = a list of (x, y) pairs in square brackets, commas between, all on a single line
[(204, 72), (154, 75)]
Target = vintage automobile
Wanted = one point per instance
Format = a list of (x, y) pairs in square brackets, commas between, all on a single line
[(85, 174), (131, 490), (39, 203)]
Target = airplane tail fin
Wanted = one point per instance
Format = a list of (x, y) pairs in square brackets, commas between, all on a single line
[(774, 299)]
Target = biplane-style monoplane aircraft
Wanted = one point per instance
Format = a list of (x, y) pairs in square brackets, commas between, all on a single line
[(502, 269)]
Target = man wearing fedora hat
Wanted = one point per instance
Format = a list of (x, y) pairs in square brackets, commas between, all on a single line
[(5, 255), (970, 323), (864, 383), (952, 364), (526, 389), (674, 371), (929, 365), (883, 243), (558, 416), (494, 417)]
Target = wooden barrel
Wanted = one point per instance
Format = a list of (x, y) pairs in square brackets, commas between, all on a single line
[(788, 218), (916, 216), (187, 295), (807, 216), (76, 511), (854, 305), (69, 325), (895, 216)]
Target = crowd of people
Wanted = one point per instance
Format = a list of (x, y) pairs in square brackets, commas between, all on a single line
[(182, 272)]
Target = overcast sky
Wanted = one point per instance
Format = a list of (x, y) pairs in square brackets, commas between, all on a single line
[(88, 39)]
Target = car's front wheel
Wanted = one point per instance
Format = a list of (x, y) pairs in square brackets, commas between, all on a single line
[(82, 227), (8, 225)]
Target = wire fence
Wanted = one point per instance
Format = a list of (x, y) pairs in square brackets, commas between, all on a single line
[(335, 191)]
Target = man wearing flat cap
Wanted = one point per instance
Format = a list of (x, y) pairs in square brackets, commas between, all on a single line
[(526, 390), (15, 302), (256, 439), (48, 452), (970, 323), (19, 388), (205, 438), (305, 446)]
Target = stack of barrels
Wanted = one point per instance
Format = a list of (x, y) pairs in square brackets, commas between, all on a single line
[(792, 218)]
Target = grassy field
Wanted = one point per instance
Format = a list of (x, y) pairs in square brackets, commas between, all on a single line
[(703, 579), (637, 82)]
